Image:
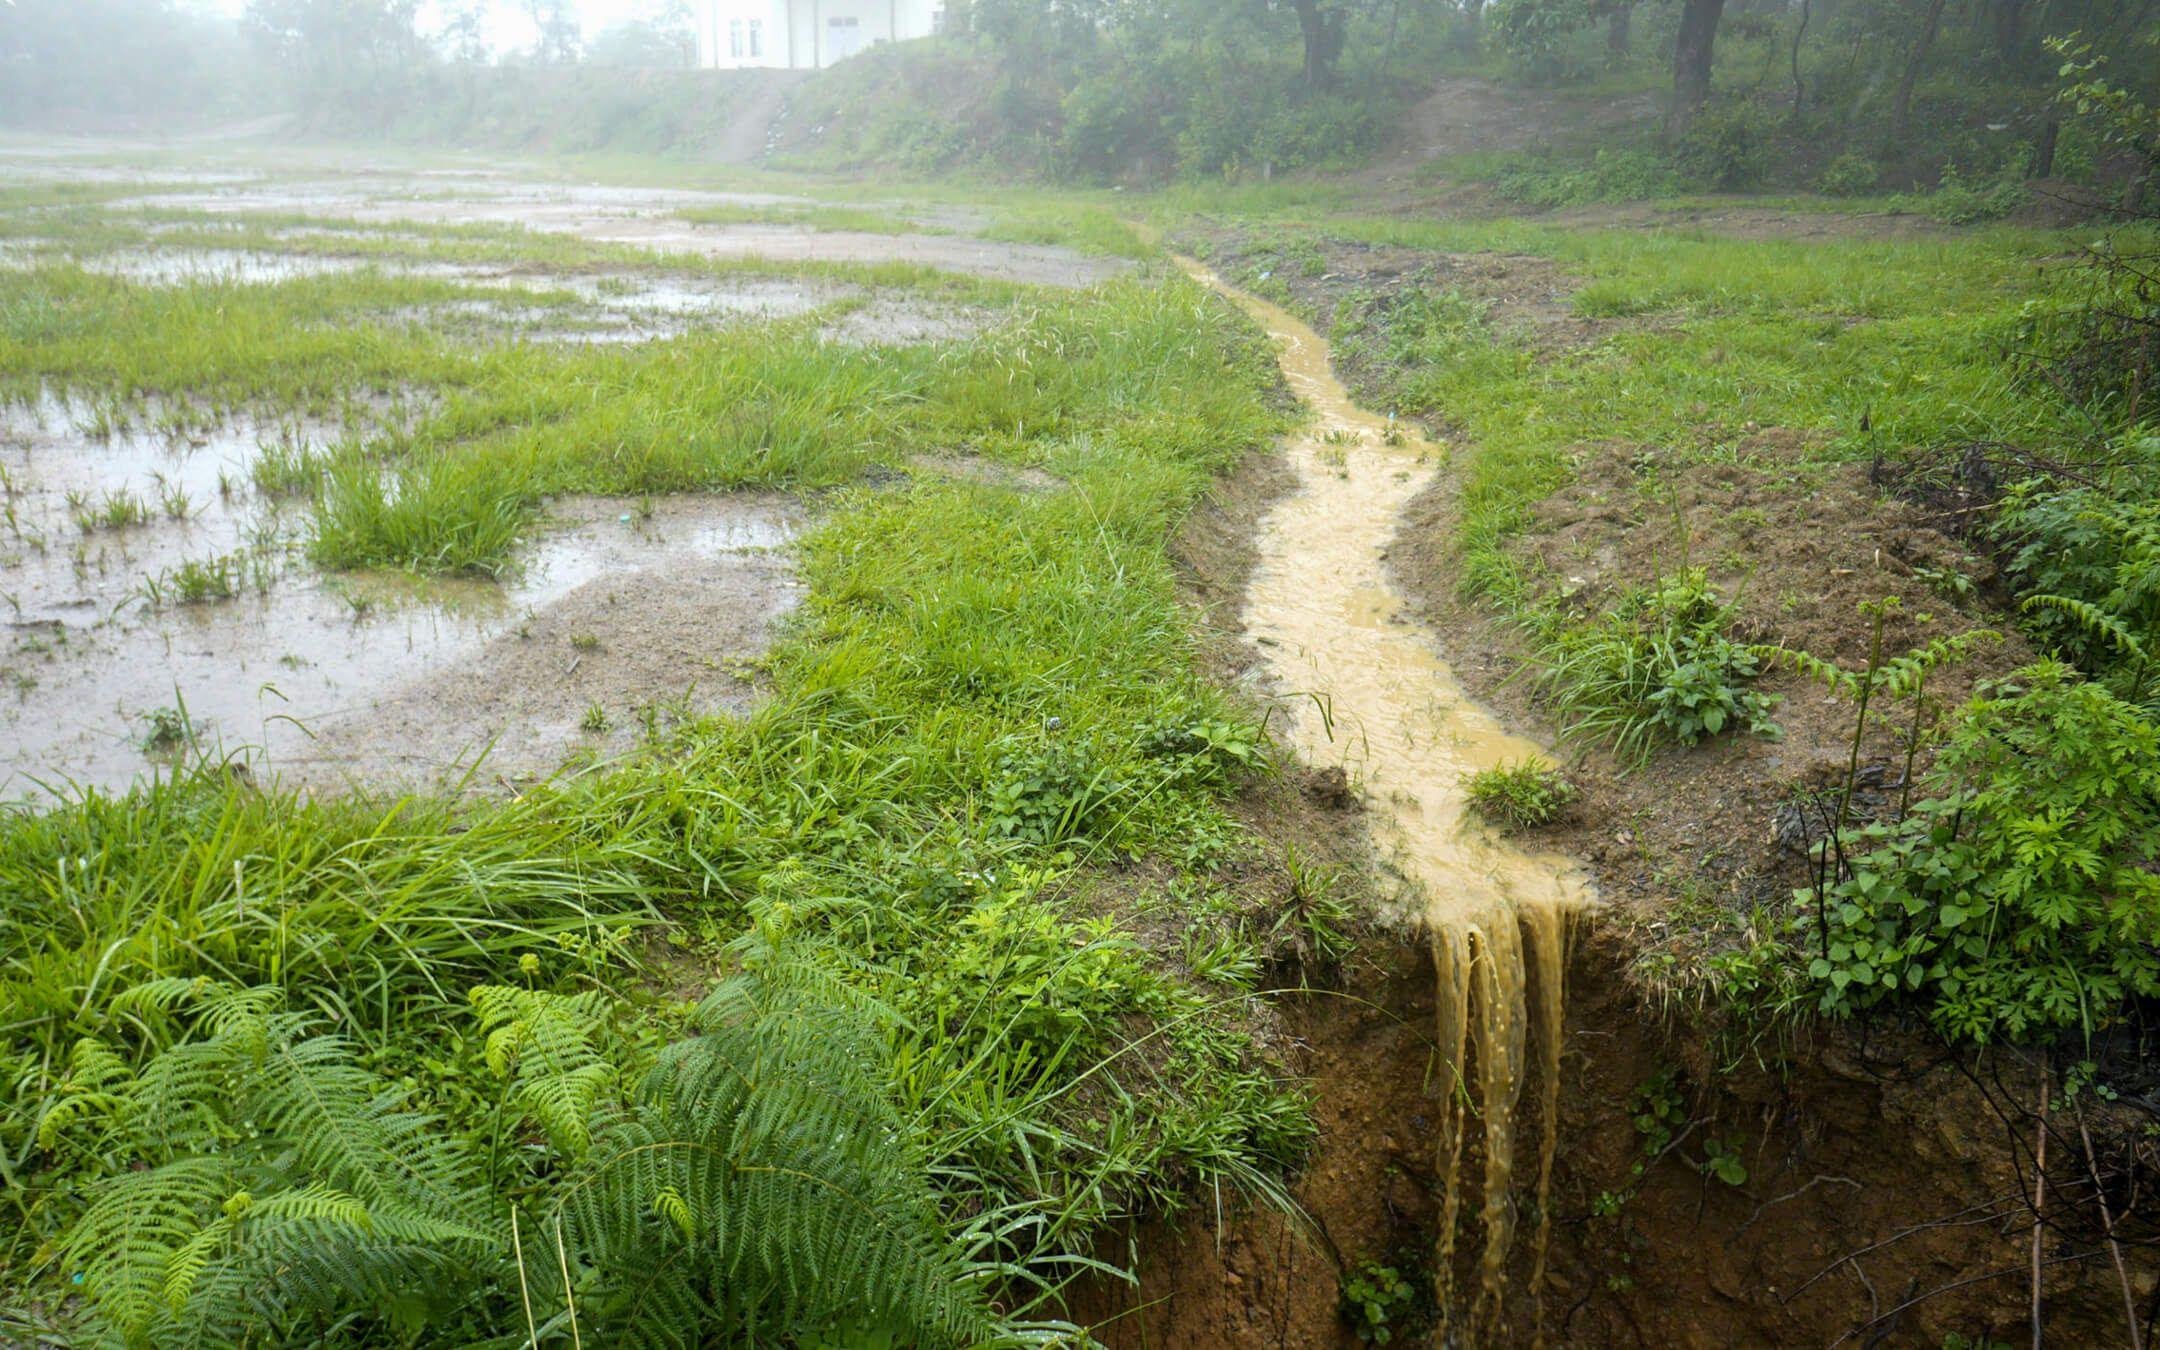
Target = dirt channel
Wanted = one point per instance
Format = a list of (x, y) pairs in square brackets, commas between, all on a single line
[(1831, 1186)]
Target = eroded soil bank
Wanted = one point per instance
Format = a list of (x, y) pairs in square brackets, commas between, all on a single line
[(1713, 1184), (1884, 1202)]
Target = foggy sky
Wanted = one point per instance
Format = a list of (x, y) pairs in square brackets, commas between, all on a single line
[(509, 27)]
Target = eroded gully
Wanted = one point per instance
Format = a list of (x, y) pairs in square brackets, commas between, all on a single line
[(1371, 694)]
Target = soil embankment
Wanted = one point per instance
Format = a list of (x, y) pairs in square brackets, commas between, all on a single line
[(1710, 1186)]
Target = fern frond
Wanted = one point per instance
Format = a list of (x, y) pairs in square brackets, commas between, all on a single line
[(1828, 674), (547, 1046), (123, 1243), (2096, 622), (763, 1174)]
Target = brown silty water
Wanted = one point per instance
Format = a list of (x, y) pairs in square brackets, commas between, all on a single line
[(1384, 705)]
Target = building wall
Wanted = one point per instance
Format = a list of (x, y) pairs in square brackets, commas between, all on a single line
[(735, 34), (807, 33)]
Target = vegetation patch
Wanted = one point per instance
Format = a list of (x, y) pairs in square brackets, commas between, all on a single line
[(483, 1027), (1522, 795)]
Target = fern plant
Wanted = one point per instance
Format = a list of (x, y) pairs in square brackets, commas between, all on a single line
[(760, 1185), (279, 1182), (2091, 562), (754, 1185)]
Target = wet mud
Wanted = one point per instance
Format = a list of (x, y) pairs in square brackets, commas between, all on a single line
[(110, 670)]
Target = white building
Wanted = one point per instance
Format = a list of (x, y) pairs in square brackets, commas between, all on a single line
[(805, 34)]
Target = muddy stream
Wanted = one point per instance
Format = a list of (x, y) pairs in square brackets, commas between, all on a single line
[(1374, 697)]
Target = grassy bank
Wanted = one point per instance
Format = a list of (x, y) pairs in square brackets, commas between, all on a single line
[(1686, 467)]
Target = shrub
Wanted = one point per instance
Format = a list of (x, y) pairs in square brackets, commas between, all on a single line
[(2015, 899), (1731, 147), (1957, 201), (1658, 668), (1613, 176), (1521, 795), (1849, 175), (2091, 563), (1534, 33)]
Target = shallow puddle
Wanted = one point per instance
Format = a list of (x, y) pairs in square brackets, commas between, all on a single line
[(646, 217), (612, 306), (1385, 706), (372, 678)]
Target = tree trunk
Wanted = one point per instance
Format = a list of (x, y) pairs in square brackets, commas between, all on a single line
[(1691, 63), (2043, 165), (1799, 87), (2133, 195), (1323, 33), (2009, 32), (1901, 107), (1616, 30)]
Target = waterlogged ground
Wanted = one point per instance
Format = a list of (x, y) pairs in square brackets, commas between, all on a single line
[(158, 603), (769, 226), (160, 599)]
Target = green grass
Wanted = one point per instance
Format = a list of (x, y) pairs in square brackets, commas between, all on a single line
[(988, 696), (1520, 795), (859, 219), (1089, 229), (1816, 337)]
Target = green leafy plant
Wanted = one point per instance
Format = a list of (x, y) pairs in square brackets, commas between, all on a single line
[(1657, 668), (1521, 795), (1049, 792), (2090, 561), (755, 1177), (1722, 1159), (1312, 931), (166, 729), (1376, 1300), (2014, 899), (1731, 146), (1849, 175)]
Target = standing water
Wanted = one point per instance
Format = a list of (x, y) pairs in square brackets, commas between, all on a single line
[(1323, 609)]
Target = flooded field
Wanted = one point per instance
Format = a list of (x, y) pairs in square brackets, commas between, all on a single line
[(646, 217), (158, 605), (557, 306), (161, 602)]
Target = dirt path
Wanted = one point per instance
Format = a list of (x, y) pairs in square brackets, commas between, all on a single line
[(749, 128)]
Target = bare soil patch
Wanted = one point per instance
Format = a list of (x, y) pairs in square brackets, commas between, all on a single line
[(634, 626)]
